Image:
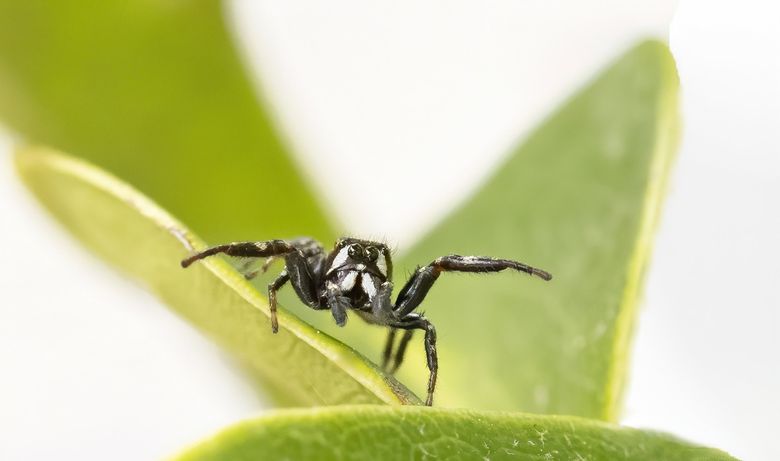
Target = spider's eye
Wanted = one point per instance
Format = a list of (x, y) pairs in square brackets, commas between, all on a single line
[(354, 250), (372, 254)]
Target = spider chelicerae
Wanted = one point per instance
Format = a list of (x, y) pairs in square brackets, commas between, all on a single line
[(357, 276)]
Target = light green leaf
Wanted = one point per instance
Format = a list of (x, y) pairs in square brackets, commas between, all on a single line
[(580, 198), (301, 365), (154, 92), (376, 432)]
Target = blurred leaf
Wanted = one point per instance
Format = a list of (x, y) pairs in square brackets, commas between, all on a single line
[(302, 365), (580, 198), (154, 92), (376, 432)]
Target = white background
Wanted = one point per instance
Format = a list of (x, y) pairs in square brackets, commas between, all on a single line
[(90, 362)]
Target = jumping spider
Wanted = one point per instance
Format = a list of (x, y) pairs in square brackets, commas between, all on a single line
[(357, 275)]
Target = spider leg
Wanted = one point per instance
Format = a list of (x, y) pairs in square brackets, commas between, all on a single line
[(388, 352), (298, 272), (415, 321), (273, 287), (303, 257), (420, 283), (268, 261), (251, 274), (302, 278), (244, 249), (485, 264), (399, 353), (382, 314), (245, 269), (309, 247)]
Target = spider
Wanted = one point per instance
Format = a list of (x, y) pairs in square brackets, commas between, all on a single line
[(357, 276)]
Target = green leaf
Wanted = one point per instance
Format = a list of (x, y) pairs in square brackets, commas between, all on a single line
[(375, 432), (155, 93), (580, 199), (302, 365)]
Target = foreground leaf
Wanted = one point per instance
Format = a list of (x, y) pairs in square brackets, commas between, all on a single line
[(580, 198), (301, 365), (155, 93), (374, 432)]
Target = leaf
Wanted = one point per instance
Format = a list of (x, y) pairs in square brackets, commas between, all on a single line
[(376, 432), (155, 93), (580, 199), (302, 365)]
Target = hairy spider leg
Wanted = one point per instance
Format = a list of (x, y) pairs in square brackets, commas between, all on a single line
[(297, 255), (306, 245), (417, 287), (401, 351), (415, 290), (303, 278), (273, 287), (244, 250), (388, 352), (414, 321)]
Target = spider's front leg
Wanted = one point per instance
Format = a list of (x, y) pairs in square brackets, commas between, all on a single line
[(297, 254), (420, 283), (415, 290), (264, 249)]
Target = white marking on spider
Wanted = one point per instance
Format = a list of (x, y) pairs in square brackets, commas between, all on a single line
[(340, 259), (367, 282), (348, 282), (381, 264)]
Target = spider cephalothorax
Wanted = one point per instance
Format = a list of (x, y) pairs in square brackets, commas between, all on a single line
[(357, 276), (354, 274)]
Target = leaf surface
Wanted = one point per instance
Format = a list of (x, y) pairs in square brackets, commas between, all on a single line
[(301, 365), (375, 432)]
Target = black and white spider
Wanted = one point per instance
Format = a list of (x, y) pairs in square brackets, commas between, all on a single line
[(357, 275)]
